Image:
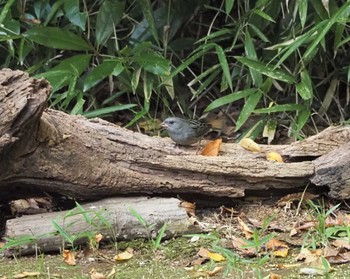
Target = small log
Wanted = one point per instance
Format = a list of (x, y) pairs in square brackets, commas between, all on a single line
[(111, 217)]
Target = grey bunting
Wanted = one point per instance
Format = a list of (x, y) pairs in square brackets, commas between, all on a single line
[(185, 131)]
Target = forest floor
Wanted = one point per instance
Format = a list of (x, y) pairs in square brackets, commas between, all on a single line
[(282, 238)]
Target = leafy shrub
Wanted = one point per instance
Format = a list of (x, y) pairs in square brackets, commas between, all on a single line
[(285, 61)]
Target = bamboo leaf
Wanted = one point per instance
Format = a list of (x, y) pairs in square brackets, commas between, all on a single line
[(268, 70), (57, 38), (248, 108), (230, 98)]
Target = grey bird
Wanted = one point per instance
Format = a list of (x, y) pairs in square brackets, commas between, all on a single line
[(185, 131)]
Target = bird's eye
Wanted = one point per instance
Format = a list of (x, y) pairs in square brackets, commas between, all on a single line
[(171, 122)]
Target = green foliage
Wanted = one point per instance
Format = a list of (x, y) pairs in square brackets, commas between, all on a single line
[(322, 233), (149, 227), (96, 221), (152, 58)]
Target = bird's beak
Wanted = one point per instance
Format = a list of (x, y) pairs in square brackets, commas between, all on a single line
[(163, 125)]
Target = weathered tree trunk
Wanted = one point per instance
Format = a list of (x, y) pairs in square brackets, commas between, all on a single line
[(111, 217), (50, 151)]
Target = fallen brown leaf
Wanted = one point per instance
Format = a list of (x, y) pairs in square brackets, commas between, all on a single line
[(69, 257), (189, 207), (245, 228), (96, 275), (212, 148)]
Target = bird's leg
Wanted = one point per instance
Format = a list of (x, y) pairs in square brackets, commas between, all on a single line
[(198, 146)]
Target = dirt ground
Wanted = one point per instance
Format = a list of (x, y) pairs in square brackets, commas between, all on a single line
[(293, 224)]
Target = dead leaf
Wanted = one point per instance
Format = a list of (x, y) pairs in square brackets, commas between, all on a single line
[(198, 274), (203, 252), (274, 276), (98, 237), (342, 243), (189, 207), (335, 256), (69, 257), (295, 197), (250, 145), (212, 148), (239, 244), (274, 157), (228, 212), (215, 271), (126, 255), (313, 271), (96, 275), (149, 125), (277, 248), (244, 227), (112, 273), (309, 256), (26, 274)]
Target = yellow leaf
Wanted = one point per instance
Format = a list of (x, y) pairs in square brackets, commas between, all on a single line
[(278, 248), (212, 148), (126, 255), (215, 257), (250, 145), (274, 156)]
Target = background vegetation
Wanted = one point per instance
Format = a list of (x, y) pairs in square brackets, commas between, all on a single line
[(286, 61)]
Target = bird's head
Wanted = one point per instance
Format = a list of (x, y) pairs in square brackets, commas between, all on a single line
[(173, 124)]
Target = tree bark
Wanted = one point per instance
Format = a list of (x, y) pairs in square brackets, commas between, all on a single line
[(50, 151), (110, 217)]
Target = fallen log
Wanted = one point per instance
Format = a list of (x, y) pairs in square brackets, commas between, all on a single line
[(110, 217), (49, 151)]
